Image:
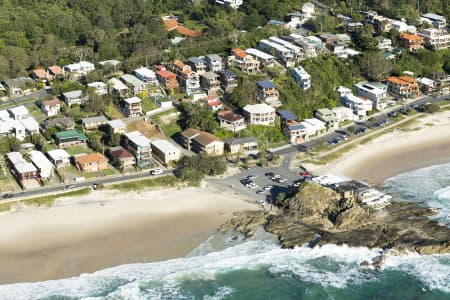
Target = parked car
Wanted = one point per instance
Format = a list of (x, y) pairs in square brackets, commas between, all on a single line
[(251, 177), (268, 187), (262, 202), (260, 192), (305, 174), (157, 171), (8, 195), (72, 186), (269, 174)]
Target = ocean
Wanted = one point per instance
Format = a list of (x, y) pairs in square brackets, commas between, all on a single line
[(226, 266)]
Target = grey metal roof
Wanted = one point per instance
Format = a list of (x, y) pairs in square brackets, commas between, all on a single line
[(287, 115), (237, 141)]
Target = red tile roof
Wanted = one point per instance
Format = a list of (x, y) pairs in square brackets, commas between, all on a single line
[(90, 158), (166, 74), (40, 73), (56, 70)]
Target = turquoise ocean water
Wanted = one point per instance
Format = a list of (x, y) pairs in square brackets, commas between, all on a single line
[(227, 267)]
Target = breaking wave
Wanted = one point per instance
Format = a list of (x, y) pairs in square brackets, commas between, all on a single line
[(216, 275)]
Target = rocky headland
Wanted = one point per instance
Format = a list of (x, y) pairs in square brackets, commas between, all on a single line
[(317, 215)]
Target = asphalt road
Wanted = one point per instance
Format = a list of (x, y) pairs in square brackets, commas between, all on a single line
[(87, 183), (26, 98), (368, 123)]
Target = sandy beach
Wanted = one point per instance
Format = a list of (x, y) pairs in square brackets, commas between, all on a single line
[(425, 143), (109, 228)]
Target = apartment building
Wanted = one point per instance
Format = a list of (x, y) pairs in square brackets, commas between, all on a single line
[(403, 86), (302, 77), (132, 107), (139, 145)]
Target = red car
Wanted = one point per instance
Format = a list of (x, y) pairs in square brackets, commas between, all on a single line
[(305, 174)]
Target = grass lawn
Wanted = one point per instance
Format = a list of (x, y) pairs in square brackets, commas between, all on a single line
[(110, 171), (7, 182), (191, 24), (148, 105), (36, 113), (113, 112), (78, 150)]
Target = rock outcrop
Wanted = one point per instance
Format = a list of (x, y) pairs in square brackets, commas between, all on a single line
[(319, 212)]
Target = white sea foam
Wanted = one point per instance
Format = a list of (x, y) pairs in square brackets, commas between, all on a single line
[(328, 265), (429, 185)]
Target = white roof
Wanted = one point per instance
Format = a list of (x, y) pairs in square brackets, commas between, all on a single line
[(18, 110), (40, 160), (426, 81), (117, 84), (4, 114), (286, 44), (145, 72), (258, 53), (97, 85), (259, 108), (276, 46), (58, 154), (302, 73), (20, 164), (369, 88), (117, 123), (30, 124), (73, 94), (133, 100), (111, 62), (329, 179), (164, 146), (318, 124), (138, 138), (80, 66)]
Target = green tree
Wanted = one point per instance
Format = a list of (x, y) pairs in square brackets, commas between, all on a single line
[(374, 65)]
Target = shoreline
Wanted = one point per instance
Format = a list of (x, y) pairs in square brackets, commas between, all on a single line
[(106, 228), (424, 144)]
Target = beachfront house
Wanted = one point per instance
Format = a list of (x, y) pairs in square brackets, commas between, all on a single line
[(59, 157), (121, 158), (25, 172), (327, 115), (202, 142), (374, 91), (164, 151), (139, 145), (92, 162), (44, 166), (403, 86), (360, 106)]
